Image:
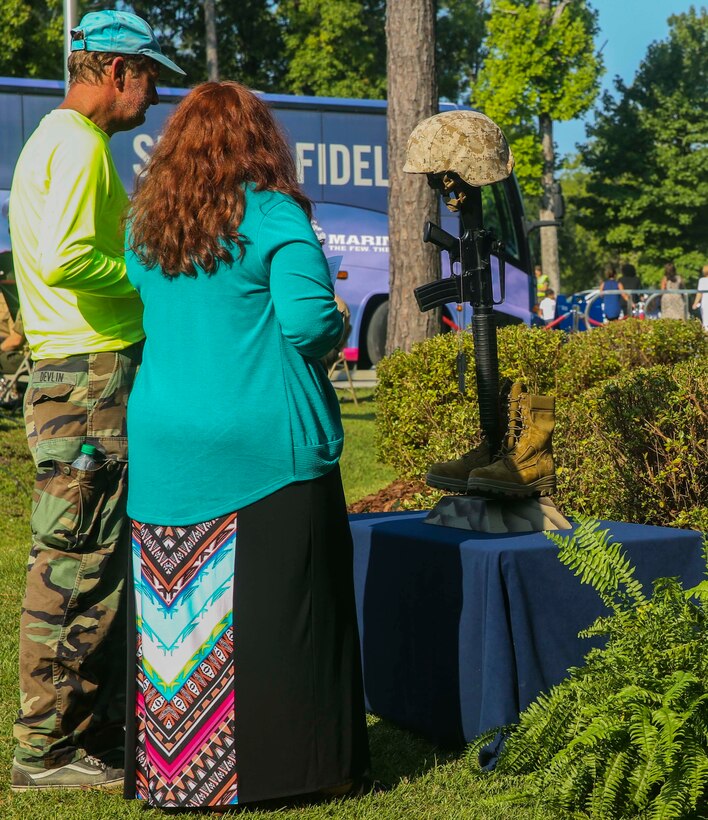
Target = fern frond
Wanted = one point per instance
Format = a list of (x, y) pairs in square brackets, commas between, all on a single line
[(642, 731), (575, 785), (599, 562), (648, 771), (608, 793), (670, 724), (603, 727), (671, 802), (633, 695), (681, 682), (475, 747), (540, 731), (695, 774), (700, 591)]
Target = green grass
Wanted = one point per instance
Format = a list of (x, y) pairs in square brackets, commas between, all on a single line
[(428, 783), (361, 472)]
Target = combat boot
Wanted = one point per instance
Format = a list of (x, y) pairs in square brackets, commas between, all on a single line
[(525, 467), (452, 475)]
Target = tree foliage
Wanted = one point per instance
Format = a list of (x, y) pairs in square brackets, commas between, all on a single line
[(31, 33), (320, 47), (459, 33), (582, 255), (335, 47), (250, 40), (648, 155), (537, 62)]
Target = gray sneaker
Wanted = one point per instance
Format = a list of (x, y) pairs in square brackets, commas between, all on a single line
[(88, 772)]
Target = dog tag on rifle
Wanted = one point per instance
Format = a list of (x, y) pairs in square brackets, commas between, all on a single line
[(461, 370)]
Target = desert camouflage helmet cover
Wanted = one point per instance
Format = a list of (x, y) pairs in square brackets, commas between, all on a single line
[(466, 142)]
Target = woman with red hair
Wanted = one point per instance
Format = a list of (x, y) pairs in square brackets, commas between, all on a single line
[(248, 679)]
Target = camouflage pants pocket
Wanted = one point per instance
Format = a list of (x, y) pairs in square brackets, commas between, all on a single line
[(74, 509)]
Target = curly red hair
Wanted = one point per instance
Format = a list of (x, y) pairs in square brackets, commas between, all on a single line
[(190, 198)]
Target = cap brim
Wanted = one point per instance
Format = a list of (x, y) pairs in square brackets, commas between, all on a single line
[(165, 61)]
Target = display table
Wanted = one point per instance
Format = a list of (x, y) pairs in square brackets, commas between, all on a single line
[(460, 631)]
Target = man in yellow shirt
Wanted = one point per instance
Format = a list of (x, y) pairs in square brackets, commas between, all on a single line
[(83, 323), (542, 283)]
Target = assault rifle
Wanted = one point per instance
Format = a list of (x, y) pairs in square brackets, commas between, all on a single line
[(473, 284)]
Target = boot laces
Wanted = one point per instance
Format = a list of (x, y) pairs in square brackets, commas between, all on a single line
[(513, 432)]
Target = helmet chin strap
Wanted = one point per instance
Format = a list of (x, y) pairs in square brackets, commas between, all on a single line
[(453, 199), (450, 187)]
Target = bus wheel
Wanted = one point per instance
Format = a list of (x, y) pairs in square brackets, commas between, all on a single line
[(376, 334)]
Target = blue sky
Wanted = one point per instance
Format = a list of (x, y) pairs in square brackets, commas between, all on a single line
[(627, 27)]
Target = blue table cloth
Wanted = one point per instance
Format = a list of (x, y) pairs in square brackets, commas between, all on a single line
[(460, 631)]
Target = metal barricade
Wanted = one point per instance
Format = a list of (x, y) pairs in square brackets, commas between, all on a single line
[(646, 306)]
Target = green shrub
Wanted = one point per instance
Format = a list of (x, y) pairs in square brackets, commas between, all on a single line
[(423, 418), (636, 448), (627, 733), (592, 357)]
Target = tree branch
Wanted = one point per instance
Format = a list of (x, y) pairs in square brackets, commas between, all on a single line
[(559, 9)]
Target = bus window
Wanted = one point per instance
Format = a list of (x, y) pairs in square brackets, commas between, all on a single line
[(497, 216)]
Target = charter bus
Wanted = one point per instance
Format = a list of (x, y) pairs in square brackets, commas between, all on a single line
[(340, 149)]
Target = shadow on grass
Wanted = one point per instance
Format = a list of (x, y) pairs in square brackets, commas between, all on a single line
[(359, 416), (400, 756)]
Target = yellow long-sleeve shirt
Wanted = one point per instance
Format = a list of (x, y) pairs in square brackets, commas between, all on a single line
[(66, 209)]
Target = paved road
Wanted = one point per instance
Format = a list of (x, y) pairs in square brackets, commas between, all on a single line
[(361, 378)]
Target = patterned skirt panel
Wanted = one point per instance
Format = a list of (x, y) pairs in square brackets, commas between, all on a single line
[(185, 705)]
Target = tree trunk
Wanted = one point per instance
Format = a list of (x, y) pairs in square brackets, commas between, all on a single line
[(412, 97), (212, 55), (549, 236)]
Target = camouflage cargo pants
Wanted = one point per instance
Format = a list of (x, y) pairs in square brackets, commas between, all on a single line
[(72, 628)]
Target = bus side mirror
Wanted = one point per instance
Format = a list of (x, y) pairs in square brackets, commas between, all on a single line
[(557, 201), (554, 202), (541, 223)]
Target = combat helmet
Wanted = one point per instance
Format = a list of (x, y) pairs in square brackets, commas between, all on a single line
[(467, 143)]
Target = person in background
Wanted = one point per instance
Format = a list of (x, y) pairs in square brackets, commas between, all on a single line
[(83, 321), (242, 550), (673, 305), (701, 299), (542, 282), (547, 307), (612, 302), (329, 358), (629, 280), (12, 340), (12, 354)]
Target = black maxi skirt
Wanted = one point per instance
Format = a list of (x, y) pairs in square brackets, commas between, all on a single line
[(247, 682)]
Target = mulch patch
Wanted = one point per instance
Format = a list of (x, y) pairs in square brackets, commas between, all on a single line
[(389, 498)]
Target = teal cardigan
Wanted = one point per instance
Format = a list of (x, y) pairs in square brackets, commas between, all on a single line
[(231, 402)]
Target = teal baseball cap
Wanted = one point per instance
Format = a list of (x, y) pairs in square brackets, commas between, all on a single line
[(119, 32)]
